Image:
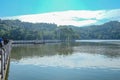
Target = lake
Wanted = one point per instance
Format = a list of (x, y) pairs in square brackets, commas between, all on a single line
[(81, 60)]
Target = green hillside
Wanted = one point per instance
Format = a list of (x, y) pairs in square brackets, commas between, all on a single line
[(17, 30)]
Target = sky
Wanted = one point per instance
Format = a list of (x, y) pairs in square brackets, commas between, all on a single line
[(61, 12)]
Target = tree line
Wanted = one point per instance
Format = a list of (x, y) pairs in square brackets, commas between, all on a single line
[(17, 30)]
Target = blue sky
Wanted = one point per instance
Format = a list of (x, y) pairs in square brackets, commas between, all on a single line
[(22, 7), (61, 12)]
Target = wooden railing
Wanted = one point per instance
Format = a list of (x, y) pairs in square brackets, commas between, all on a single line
[(4, 59)]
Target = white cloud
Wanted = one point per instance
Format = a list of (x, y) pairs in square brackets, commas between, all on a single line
[(72, 17)]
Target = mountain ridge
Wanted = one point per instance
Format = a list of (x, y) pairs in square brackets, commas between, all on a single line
[(15, 29)]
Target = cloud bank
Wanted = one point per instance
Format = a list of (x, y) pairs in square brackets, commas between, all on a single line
[(72, 17)]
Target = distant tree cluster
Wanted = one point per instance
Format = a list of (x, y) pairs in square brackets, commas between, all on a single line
[(17, 30)]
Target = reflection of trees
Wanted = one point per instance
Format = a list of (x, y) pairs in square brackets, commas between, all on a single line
[(41, 50), (31, 51), (108, 50), (112, 51), (24, 51), (65, 49)]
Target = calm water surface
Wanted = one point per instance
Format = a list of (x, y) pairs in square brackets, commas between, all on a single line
[(66, 61)]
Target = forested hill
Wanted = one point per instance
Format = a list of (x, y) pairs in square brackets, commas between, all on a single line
[(109, 30), (17, 30)]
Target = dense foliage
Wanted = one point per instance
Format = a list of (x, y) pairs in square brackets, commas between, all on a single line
[(109, 30), (17, 30)]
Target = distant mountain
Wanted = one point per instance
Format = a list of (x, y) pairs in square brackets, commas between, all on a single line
[(109, 30), (15, 29)]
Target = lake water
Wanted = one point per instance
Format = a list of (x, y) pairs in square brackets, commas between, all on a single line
[(83, 60)]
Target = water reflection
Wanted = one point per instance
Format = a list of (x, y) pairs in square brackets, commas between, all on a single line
[(79, 60), (108, 50), (23, 51), (72, 55)]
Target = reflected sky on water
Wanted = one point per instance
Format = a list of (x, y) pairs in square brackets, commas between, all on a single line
[(70, 55), (66, 61)]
